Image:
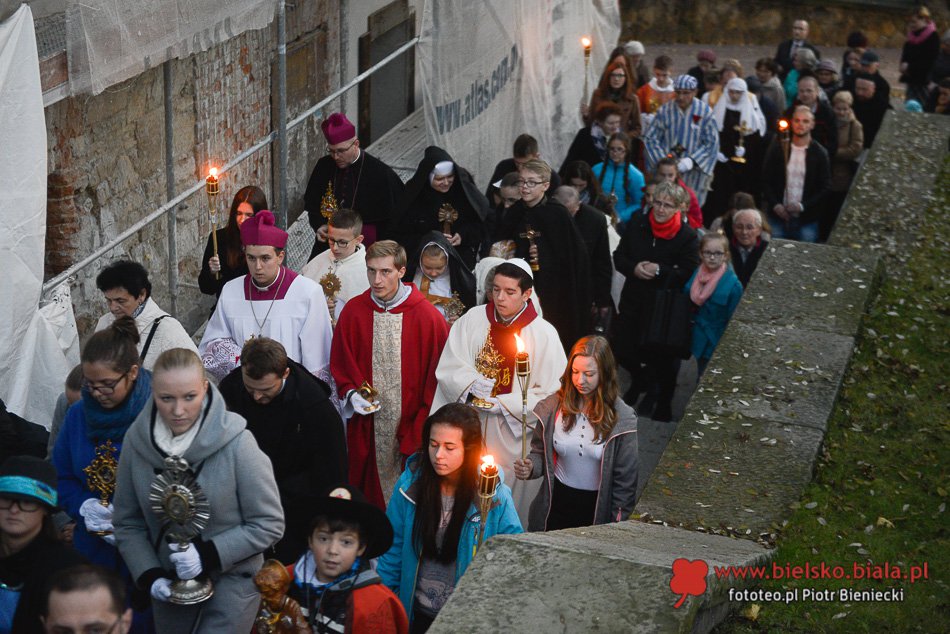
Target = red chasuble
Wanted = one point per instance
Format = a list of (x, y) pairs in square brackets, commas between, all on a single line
[(503, 338), (424, 332)]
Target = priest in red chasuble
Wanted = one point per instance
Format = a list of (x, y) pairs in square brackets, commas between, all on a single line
[(489, 331), (388, 339)]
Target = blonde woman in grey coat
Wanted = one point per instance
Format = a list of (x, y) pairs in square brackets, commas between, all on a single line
[(188, 419), (584, 445)]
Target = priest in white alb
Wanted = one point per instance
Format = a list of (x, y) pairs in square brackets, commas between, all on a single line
[(489, 332), (270, 301)]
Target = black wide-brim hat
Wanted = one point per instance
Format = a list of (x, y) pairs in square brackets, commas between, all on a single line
[(29, 478), (348, 503)]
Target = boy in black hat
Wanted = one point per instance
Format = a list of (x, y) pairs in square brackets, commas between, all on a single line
[(333, 582), (29, 550)]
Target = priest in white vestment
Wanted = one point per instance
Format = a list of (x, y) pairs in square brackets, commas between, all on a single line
[(270, 301), (489, 330)]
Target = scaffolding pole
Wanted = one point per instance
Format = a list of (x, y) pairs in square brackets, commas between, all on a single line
[(171, 221)]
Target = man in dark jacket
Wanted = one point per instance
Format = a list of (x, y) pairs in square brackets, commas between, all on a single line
[(795, 184), (787, 49), (289, 413), (592, 225), (826, 128), (868, 109)]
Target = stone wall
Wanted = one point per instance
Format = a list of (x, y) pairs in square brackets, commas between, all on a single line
[(767, 22), (106, 152)]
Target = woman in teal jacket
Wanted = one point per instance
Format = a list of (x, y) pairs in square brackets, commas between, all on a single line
[(434, 513), (619, 179), (715, 290)]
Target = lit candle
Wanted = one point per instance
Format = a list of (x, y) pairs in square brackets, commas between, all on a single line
[(585, 42), (211, 183), (782, 125), (522, 364), (487, 476)]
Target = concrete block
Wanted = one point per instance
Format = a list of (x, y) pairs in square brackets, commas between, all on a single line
[(610, 578)]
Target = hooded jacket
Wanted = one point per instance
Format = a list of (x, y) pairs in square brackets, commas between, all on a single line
[(619, 466), (399, 566), (236, 477)]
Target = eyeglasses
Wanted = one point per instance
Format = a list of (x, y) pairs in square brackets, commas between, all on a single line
[(106, 387), (618, 76), (341, 151), (713, 254), (662, 204), (95, 628), (25, 506), (340, 243), (530, 184)]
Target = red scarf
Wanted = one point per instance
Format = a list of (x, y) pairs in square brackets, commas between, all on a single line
[(704, 284), (503, 339), (669, 229)]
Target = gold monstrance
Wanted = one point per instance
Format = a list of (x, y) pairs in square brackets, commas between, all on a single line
[(531, 235), (488, 364), (447, 215), (742, 129), (328, 204), (331, 285), (100, 475)]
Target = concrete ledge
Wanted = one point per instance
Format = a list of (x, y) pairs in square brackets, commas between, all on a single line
[(610, 578)]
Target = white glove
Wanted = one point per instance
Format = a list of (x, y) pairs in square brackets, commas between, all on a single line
[(109, 538), (684, 165), (187, 562), (740, 151), (98, 518), (721, 157), (162, 589), (361, 405), (482, 387)]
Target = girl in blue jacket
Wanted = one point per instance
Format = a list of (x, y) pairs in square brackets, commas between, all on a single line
[(434, 513), (619, 178), (715, 290)]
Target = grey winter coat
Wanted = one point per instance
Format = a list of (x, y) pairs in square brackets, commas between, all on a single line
[(619, 466), (246, 515)]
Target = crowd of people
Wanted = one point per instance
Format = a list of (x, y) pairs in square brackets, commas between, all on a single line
[(318, 461)]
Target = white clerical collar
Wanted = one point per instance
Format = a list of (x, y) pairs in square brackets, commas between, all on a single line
[(359, 153), (264, 289), (402, 294)]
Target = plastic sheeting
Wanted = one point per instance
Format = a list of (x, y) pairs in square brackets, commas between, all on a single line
[(37, 347), (493, 69), (109, 41)]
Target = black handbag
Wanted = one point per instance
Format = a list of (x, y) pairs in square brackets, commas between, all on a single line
[(666, 330)]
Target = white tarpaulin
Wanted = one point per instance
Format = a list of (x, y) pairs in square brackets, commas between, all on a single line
[(109, 41), (493, 69), (33, 364)]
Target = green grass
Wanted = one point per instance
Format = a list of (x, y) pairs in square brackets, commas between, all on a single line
[(882, 479)]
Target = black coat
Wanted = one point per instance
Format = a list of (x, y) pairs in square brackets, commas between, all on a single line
[(871, 115), (563, 279), (206, 282), (744, 270), (20, 437), (462, 278), (507, 166), (368, 186), (302, 433), (920, 59), (592, 225), (583, 149), (817, 179), (783, 56), (419, 214), (31, 568)]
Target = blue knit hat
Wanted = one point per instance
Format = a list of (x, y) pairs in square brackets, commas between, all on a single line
[(28, 478)]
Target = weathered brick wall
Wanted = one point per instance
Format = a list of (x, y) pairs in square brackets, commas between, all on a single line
[(106, 153)]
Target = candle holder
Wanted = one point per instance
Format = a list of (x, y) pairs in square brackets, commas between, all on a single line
[(100, 475), (488, 479), (785, 138), (523, 372), (586, 44), (212, 189)]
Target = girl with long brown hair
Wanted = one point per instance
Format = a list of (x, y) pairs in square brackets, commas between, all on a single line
[(229, 262), (585, 446)]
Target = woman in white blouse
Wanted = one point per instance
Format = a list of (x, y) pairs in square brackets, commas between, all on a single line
[(584, 445)]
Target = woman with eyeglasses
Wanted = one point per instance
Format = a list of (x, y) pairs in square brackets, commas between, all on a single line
[(658, 250), (229, 263), (620, 179), (442, 196), (715, 291), (115, 388), (29, 550)]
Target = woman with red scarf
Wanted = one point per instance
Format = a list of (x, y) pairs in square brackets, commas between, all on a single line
[(715, 291), (658, 250)]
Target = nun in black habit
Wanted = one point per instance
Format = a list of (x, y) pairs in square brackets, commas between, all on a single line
[(438, 278), (442, 196)]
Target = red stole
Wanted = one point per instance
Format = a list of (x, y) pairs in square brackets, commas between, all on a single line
[(503, 338)]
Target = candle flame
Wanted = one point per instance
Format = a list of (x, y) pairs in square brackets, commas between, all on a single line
[(585, 42), (213, 172), (488, 461), (520, 343), (782, 125)]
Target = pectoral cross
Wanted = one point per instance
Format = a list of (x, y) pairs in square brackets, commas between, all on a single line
[(531, 234), (447, 215)]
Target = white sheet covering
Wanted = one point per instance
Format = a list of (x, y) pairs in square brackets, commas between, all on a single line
[(37, 346)]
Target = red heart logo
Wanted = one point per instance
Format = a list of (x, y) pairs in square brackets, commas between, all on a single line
[(689, 578)]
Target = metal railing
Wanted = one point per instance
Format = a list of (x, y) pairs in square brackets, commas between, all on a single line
[(172, 205)]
